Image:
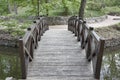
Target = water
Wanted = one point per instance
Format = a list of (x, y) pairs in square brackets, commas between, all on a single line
[(9, 63), (111, 66)]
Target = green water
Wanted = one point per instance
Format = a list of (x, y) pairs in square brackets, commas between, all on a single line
[(111, 66), (9, 63)]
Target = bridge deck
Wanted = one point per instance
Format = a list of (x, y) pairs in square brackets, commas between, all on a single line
[(59, 57)]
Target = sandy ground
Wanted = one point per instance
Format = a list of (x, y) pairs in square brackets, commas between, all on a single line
[(58, 27), (111, 20)]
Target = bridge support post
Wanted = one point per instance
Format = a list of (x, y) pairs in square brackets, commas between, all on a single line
[(99, 59), (22, 59)]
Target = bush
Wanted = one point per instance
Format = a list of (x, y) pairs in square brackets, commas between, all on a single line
[(15, 27), (111, 10), (94, 6), (93, 13)]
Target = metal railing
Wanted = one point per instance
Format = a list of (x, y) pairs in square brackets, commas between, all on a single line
[(29, 42), (90, 41)]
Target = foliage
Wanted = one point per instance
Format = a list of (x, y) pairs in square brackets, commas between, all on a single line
[(94, 6), (15, 27), (3, 7), (93, 13), (101, 7), (25, 8), (107, 10), (54, 7)]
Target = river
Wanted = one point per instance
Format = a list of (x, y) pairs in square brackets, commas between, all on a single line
[(9, 63), (111, 65)]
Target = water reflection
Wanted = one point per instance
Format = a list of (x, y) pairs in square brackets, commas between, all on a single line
[(9, 63), (111, 66)]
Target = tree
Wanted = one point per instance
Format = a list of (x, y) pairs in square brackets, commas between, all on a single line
[(47, 8), (38, 5), (82, 9)]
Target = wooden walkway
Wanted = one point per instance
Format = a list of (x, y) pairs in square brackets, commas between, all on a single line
[(59, 57)]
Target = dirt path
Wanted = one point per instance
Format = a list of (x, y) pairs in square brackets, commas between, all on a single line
[(58, 27), (111, 20)]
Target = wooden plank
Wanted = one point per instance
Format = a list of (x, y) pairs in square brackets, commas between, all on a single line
[(59, 57)]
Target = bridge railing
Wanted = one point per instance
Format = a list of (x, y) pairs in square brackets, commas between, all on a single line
[(29, 42), (90, 41)]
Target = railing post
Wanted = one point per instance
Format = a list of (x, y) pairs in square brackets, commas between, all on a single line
[(39, 29), (78, 28), (83, 35), (78, 31), (99, 59), (31, 50), (22, 59), (76, 25)]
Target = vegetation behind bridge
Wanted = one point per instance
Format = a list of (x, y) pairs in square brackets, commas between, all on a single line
[(24, 8), (17, 9)]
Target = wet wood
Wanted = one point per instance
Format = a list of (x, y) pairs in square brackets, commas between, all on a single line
[(59, 57)]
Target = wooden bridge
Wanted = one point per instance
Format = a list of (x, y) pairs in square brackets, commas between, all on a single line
[(59, 55)]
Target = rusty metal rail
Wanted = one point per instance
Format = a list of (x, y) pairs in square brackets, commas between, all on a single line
[(90, 41), (29, 42)]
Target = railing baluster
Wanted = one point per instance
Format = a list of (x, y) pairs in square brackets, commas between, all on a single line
[(29, 42), (87, 37)]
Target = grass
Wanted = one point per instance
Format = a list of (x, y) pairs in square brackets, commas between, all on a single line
[(107, 10), (93, 13), (14, 27), (109, 32)]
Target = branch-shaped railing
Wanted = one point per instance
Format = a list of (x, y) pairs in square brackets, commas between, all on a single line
[(29, 42), (90, 41)]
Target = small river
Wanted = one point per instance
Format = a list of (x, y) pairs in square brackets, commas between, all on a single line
[(111, 65), (10, 64)]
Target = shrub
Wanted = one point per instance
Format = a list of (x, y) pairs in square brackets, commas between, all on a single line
[(114, 9), (94, 6)]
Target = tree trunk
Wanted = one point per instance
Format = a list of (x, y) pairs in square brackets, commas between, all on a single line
[(82, 9), (66, 11), (47, 11), (38, 5), (9, 6), (15, 8)]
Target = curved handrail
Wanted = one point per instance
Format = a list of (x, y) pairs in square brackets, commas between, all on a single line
[(29, 42), (90, 41)]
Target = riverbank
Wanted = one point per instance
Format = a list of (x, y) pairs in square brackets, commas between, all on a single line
[(111, 35), (6, 39), (9, 37)]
